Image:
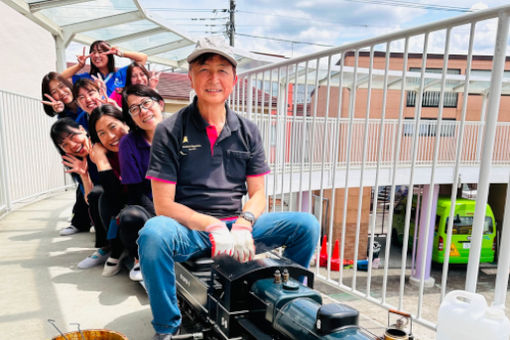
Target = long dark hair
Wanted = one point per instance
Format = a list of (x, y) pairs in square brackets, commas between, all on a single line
[(61, 129), (98, 112), (129, 72), (45, 89), (138, 90), (102, 46)]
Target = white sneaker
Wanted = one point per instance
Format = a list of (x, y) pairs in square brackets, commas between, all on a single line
[(135, 273), (69, 230), (99, 257), (113, 266)]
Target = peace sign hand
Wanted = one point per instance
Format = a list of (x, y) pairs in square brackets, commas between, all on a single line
[(154, 80), (115, 51), (99, 82), (78, 166), (106, 100), (82, 58), (56, 105)]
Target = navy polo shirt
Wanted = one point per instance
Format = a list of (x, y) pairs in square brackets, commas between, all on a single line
[(209, 179)]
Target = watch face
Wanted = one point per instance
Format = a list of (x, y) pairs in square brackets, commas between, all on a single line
[(248, 216)]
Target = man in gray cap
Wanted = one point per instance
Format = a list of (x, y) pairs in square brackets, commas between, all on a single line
[(204, 159)]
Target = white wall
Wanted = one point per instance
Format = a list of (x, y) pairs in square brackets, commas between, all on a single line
[(28, 53)]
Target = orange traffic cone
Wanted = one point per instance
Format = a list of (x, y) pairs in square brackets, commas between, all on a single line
[(323, 259), (335, 259)]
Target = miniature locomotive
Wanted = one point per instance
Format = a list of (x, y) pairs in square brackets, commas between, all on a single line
[(261, 299)]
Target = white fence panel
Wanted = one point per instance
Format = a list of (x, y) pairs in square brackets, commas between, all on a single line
[(29, 164)]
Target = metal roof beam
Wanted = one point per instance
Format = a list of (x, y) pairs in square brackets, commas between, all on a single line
[(432, 84), (395, 82), (38, 6), (163, 61), (166, 47), (88, 25), (136, 35)]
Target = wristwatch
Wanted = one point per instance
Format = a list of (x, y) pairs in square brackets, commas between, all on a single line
[(248, 216)]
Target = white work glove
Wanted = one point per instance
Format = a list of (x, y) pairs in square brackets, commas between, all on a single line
[(244, 248), (221, 239)]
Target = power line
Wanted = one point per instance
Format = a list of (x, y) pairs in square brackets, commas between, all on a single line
[(397, 3), (308, 19), (284, 40)]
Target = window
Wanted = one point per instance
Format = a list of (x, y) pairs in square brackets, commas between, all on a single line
[(431, 98), (462, 225), (428, 127)]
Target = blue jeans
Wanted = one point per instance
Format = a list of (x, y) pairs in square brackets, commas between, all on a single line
[(163, 241)]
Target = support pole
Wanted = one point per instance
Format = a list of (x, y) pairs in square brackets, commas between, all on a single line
[(232, 22), (487, 149), (503, 257), (60, 52), (425, 249)]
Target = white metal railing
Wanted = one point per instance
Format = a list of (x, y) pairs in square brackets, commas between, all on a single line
[(325, 130), (372, 123), (29, 164)]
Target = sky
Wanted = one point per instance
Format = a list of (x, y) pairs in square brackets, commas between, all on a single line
[(293, 28), (326, 22)]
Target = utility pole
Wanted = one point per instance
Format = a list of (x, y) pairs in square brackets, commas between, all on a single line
[(231, 26)]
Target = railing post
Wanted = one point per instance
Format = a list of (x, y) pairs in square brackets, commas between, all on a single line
[(249, 107), (487, 149), (482, 120), (4, 175)]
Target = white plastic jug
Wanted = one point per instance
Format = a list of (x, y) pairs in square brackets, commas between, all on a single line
[(466, 316)]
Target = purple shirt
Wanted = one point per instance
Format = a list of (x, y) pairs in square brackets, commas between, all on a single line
[(134, 154)]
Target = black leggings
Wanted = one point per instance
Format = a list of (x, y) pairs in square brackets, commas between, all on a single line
[(132, 218), (103, 208), (81, 217)]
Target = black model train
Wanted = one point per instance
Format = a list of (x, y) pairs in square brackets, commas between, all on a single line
[(261, 299)]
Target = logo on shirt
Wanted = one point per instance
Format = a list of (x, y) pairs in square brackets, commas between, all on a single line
[(188, 147)]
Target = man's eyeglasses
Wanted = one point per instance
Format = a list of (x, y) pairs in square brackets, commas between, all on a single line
[(135, 109)]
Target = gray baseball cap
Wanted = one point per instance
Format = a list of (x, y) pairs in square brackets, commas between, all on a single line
[(212, 44)]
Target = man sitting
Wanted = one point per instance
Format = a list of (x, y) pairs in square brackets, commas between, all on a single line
[(204, 159)]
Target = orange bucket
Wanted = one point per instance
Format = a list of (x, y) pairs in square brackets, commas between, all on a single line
[(93, 334)]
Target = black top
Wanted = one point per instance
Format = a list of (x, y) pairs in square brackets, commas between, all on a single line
[(209, 180)]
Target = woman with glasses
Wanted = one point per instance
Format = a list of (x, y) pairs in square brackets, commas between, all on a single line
[(143, 113), (102, 65)]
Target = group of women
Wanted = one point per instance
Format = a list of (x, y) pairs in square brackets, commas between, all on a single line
[(106, 122)]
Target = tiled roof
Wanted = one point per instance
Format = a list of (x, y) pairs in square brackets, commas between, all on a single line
[(175, 86)]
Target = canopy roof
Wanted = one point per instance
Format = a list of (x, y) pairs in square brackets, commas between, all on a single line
[(123, 23)]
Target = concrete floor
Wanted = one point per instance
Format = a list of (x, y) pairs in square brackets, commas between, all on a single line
[(40, 281)]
